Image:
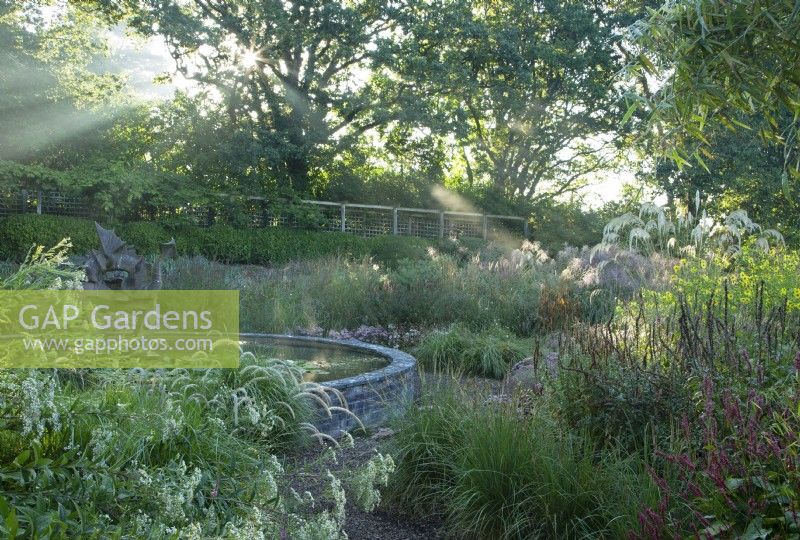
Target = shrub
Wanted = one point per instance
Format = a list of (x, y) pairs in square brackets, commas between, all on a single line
[(390, 252), (618, 403), (157, 454), (19, 233), (197, 273), (480, 293), (44, 269), (145, 236), (657, 229), (631, 380), (774, 276), (189, 451), (339, 293), (491, 473)]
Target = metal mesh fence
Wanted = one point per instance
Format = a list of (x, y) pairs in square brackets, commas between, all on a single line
[(458, 225), (330, 216), (368, 222), (425, 224), (360, 219), (64, 205), (10, 203), (44, 202)]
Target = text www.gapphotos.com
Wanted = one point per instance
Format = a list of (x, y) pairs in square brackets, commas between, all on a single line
[(118, 344)]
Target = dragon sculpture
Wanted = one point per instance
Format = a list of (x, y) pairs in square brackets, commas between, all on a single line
[(117, 266)]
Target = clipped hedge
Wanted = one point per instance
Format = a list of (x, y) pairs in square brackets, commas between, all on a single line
[(223, 243)]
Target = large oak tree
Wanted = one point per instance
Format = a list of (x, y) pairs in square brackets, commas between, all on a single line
[(300, 79), (527, 86)]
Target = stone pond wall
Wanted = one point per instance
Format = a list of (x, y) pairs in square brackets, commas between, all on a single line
[(376, 396)]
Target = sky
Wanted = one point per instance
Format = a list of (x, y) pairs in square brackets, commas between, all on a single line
[(142, 60), (607, 187)]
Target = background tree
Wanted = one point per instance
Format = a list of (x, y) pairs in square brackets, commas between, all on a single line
[(743, 171), (66, 125), (302, 80), (526, 87), (50, 101)]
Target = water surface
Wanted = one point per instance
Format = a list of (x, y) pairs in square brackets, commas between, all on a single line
[(319, 363)]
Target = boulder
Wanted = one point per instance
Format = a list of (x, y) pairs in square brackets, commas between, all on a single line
[(524, 376)]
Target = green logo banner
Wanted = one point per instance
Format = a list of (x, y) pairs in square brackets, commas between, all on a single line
[(119, 329)]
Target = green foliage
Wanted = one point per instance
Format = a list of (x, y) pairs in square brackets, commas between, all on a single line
[(507, 70), (15, 176), (505, 289), (20, 233), (409, 170), (376, 472), (480, 293), (46, 84), (756, 277), (489, 353), (619, 402), (492, 472), (279, 246), (736, 465), (556, 225), (389, 251), (281, 119), (162, 453), (721, 60), (631, 380), (436, 106), (150, 453), (743, 172), (44, 269)]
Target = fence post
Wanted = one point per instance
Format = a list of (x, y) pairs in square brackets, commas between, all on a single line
[(342, 217), (485, 227), (39, 202), (23, 201), (394, 221), (441, 224), (526, 228)]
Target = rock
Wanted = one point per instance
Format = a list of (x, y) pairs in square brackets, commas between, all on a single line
[(523, 376), (495, 399), (383, 433)]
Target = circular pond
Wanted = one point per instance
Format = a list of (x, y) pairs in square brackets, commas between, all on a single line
[(320, 362), (377, 382)]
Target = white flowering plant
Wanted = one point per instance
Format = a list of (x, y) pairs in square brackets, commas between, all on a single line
[(682, 233), (156, 453), (166, 454), (46, 269)]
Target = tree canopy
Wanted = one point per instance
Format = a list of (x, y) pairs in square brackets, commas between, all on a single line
[(707, 62), (512, 106), (527, 87)]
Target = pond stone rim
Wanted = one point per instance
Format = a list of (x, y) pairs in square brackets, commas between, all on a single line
[(399, 361)]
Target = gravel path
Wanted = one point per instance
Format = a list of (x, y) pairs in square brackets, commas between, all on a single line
[(307, 473)]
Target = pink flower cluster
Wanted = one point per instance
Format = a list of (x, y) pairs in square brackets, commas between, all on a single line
[(740, 459)]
